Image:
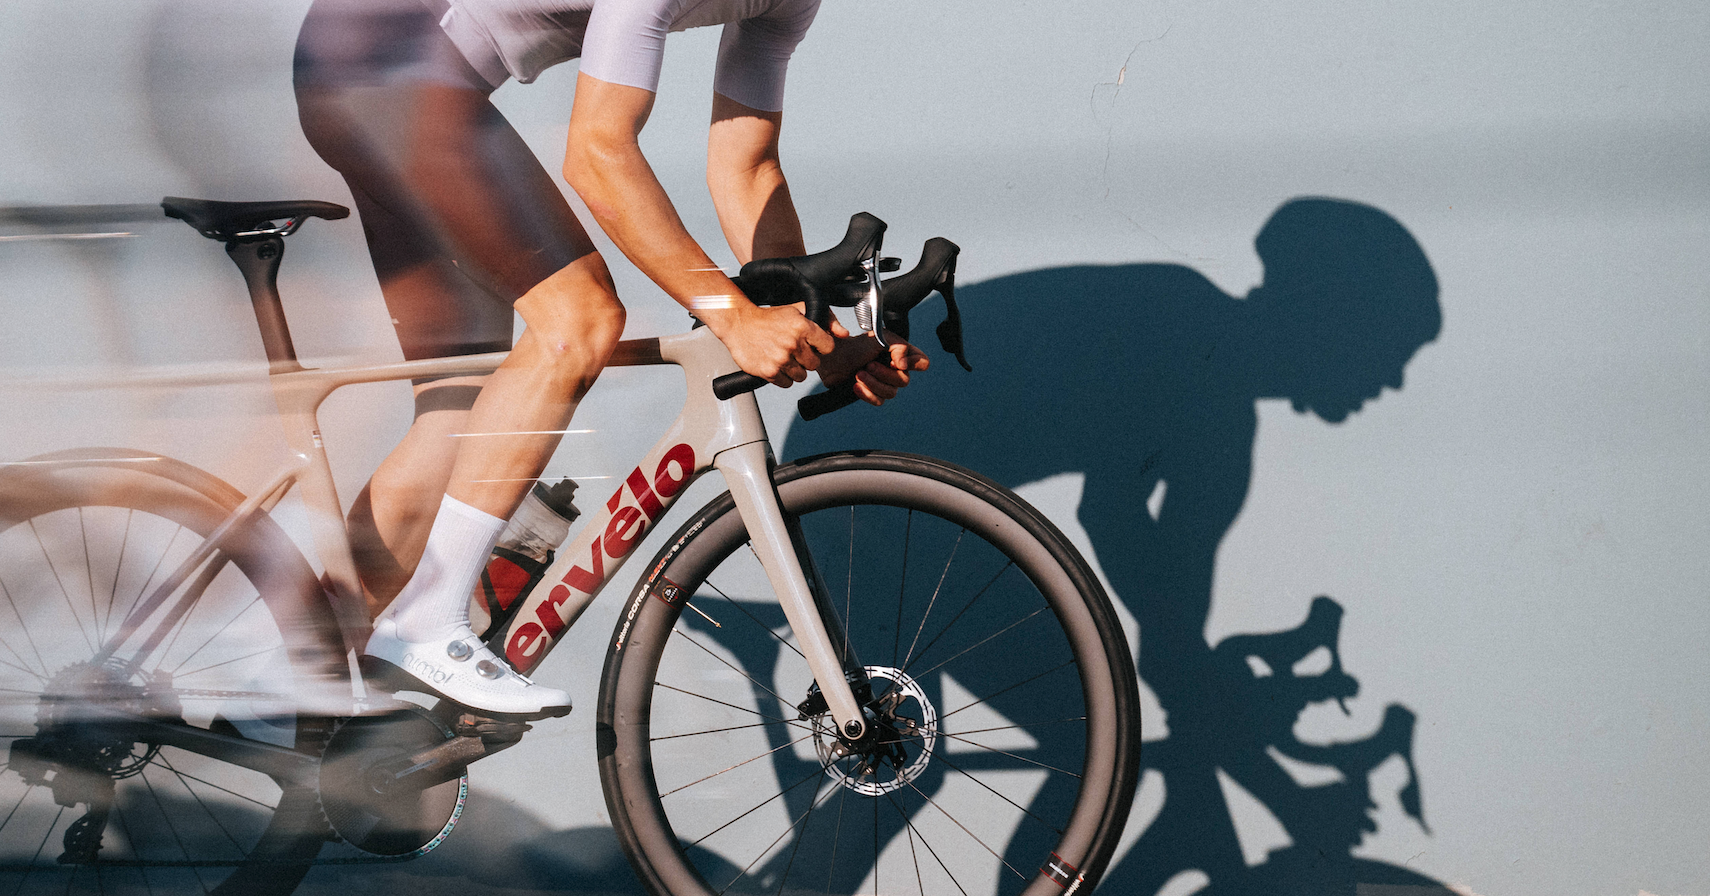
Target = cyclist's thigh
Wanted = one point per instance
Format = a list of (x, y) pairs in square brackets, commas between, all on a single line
[(459, 215)]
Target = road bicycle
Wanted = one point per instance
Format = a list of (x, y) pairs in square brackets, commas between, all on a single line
[(860, 672)]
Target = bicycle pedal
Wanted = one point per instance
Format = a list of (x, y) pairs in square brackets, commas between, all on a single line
[(492, 731)]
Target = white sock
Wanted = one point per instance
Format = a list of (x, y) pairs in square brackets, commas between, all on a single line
[(436, 600)]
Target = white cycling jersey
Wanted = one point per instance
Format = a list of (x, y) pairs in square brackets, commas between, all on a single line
[(623, 41)]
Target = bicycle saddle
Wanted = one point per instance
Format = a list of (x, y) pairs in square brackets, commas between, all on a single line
[(230, 221)]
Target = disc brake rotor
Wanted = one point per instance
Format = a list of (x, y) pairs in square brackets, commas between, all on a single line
[(902, 731)]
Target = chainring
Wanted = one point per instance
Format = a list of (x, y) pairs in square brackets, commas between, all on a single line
[(397, 824)]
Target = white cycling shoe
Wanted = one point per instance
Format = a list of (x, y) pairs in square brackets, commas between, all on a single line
[(461, 669)]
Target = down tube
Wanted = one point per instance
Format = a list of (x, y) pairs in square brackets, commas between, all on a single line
[(600, 547)]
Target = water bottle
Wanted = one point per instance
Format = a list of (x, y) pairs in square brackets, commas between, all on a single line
[(522, 554)]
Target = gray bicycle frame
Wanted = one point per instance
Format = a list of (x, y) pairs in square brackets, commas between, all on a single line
[(727, 435)]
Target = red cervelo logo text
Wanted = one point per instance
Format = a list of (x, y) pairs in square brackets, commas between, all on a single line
[(628, 523)]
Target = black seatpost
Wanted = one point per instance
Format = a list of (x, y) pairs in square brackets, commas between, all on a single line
[(258, 258)]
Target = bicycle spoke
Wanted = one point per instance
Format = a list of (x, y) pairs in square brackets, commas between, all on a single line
[(89, 573), (804, 820), (1017, 757), (971, 834), (902, 585), (249, 656), (775, 841), (938, 589), (740, 671), (976, 779), (916, 832), (130, 837), (1019, 726), (998, 693), (206, 783), (60, 581), (735, 767), (15, 806), (761, 625), (36, 859), (983, 590), (166, 816), (913, 854), (118, 564), (875, 846), (848, 581), (11, 665), (836, 839), (148, 584), (652, 739), (25, 627), (980, 643), (183, 625), (756, 807), (793, 723), (183, 781)]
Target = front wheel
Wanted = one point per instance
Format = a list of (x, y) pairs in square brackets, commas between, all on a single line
[(1003, 717)]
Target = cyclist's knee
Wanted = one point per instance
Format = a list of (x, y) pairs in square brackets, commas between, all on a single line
[(575, 317), (577, 303)]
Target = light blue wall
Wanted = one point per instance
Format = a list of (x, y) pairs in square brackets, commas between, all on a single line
[(1519, 536)]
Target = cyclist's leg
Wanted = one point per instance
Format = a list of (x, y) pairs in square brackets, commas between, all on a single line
[(466, 191), (573, 322), (437, 312), (478, 177), (390, 518), (356, 109)]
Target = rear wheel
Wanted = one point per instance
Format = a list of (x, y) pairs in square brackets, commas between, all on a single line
[(1002, 715), (94, 797)]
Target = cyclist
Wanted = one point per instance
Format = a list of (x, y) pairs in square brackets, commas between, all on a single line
[(463, 225)]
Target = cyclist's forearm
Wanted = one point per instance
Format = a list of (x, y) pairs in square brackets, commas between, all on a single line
[(757, 215), (603, 163), (747, 182)]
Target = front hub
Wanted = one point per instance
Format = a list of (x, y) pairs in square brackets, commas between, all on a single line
[(902, 731)]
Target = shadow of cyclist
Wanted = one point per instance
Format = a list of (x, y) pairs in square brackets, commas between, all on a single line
[(1144, 378)]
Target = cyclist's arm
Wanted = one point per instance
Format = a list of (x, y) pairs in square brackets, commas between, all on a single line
[(747, 182), (759, 221), (604, 165)]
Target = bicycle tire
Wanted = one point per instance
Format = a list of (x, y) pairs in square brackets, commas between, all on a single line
[(706, 761), (83, 535)]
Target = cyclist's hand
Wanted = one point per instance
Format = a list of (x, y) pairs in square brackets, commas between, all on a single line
[(879, 371), (777, 344)]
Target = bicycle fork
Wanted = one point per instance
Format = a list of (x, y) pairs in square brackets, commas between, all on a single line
[(748, 472)]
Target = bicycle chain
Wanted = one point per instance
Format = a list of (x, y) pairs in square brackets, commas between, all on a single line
[(214, 694)]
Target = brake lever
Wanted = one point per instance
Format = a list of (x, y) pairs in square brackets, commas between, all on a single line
[(870, 311), (936, 272)]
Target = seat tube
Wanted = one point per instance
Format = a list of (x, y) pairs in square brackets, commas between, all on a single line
[(747, 471)]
